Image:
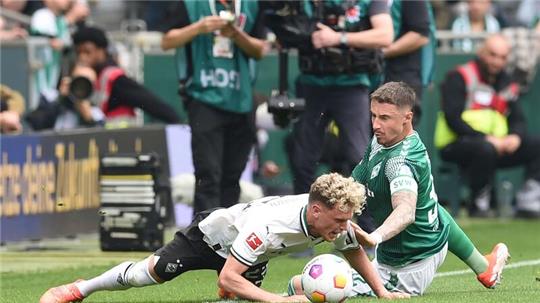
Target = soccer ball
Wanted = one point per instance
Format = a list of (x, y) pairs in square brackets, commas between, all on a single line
[(327, 278)]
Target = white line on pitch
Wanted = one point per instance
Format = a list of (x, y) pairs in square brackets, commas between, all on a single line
[(511, 265)]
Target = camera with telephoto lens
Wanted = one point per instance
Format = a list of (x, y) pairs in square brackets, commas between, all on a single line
[(81, 88)]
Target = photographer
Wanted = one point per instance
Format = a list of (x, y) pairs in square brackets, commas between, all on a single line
[(69, 107), (335, 78), (118, 95), (220, 39)]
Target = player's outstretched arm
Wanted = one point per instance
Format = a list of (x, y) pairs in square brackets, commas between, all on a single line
[(404, 204), (231, 280), (360, 262)]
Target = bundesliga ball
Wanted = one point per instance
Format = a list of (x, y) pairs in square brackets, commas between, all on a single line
[(327, 278)]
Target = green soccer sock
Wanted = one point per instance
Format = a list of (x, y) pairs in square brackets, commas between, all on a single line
[(461, 246)]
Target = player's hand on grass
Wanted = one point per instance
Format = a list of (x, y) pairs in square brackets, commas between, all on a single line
[(296, 298), (394, 295)]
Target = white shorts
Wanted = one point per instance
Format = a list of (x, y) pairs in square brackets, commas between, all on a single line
[(412, 279)]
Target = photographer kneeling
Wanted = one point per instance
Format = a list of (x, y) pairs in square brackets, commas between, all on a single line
[(71, 106)]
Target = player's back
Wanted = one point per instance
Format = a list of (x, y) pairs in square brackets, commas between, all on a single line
[(276, 215)]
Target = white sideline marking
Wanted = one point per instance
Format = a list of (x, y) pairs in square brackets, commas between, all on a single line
[(512, 265)]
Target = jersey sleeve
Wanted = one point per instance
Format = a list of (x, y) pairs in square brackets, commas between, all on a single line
[(378, 7), (400, 175), (250, 244), (347, 240)]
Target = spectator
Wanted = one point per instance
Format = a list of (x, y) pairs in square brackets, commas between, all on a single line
[(12, 30), (528, 13), (411, 57), (11, 108), (8, 33), (442, 13), (77, 13), (51, 23), (482, 128), (120, 94), (218, 90), (477, 19)]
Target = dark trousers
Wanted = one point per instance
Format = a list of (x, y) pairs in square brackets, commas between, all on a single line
[(188, 251), (479, 159), (220, 143), (349, 108)]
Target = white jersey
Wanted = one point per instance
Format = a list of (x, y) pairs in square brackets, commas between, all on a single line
[(257, 231)]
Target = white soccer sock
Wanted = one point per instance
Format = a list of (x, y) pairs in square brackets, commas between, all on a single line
[(113, 279), (120, 277)]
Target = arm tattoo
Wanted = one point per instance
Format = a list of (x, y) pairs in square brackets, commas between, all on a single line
[(404, 204)]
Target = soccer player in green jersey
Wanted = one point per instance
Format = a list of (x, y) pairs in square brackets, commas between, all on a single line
[(414, 232)]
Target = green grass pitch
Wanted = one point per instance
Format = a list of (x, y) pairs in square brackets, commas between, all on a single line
[(25, 275)]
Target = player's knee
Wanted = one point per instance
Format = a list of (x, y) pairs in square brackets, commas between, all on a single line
[(138, 275), (295, 286)]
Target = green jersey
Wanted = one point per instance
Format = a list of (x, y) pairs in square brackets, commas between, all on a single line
[(222, 80), (404, 166)]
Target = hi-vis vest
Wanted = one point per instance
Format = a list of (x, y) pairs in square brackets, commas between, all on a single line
[(485, 109), (104, 85)]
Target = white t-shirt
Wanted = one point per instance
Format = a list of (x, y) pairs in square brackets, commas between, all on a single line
[(45, 22), (257, 231)]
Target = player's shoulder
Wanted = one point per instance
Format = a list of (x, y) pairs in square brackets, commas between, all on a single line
[(281, 215), (411, 147), (277, 207)]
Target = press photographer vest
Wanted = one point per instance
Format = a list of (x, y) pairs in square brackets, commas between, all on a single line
[(225, 83), (485, 109), (343, 65), (104, 84)]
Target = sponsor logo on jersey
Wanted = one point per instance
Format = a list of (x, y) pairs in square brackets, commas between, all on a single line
[(353, 14), (220, 78), (253, 241), (375, 170), (402, 183)]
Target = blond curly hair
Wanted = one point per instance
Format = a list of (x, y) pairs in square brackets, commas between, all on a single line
[(335, 190)]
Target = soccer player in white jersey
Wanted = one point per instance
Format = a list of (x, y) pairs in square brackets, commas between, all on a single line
[(238, 241), (414, 232)]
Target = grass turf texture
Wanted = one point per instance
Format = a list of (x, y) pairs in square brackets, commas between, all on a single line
[(25, 275)]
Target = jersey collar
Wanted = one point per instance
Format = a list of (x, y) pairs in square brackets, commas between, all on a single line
[(414, 133), (304, 224), (303, 221)]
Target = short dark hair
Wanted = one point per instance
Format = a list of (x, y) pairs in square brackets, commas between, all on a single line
[(91, 34), (397, 93)]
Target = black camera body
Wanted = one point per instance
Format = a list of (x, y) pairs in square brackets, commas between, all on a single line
[(284, 109)]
